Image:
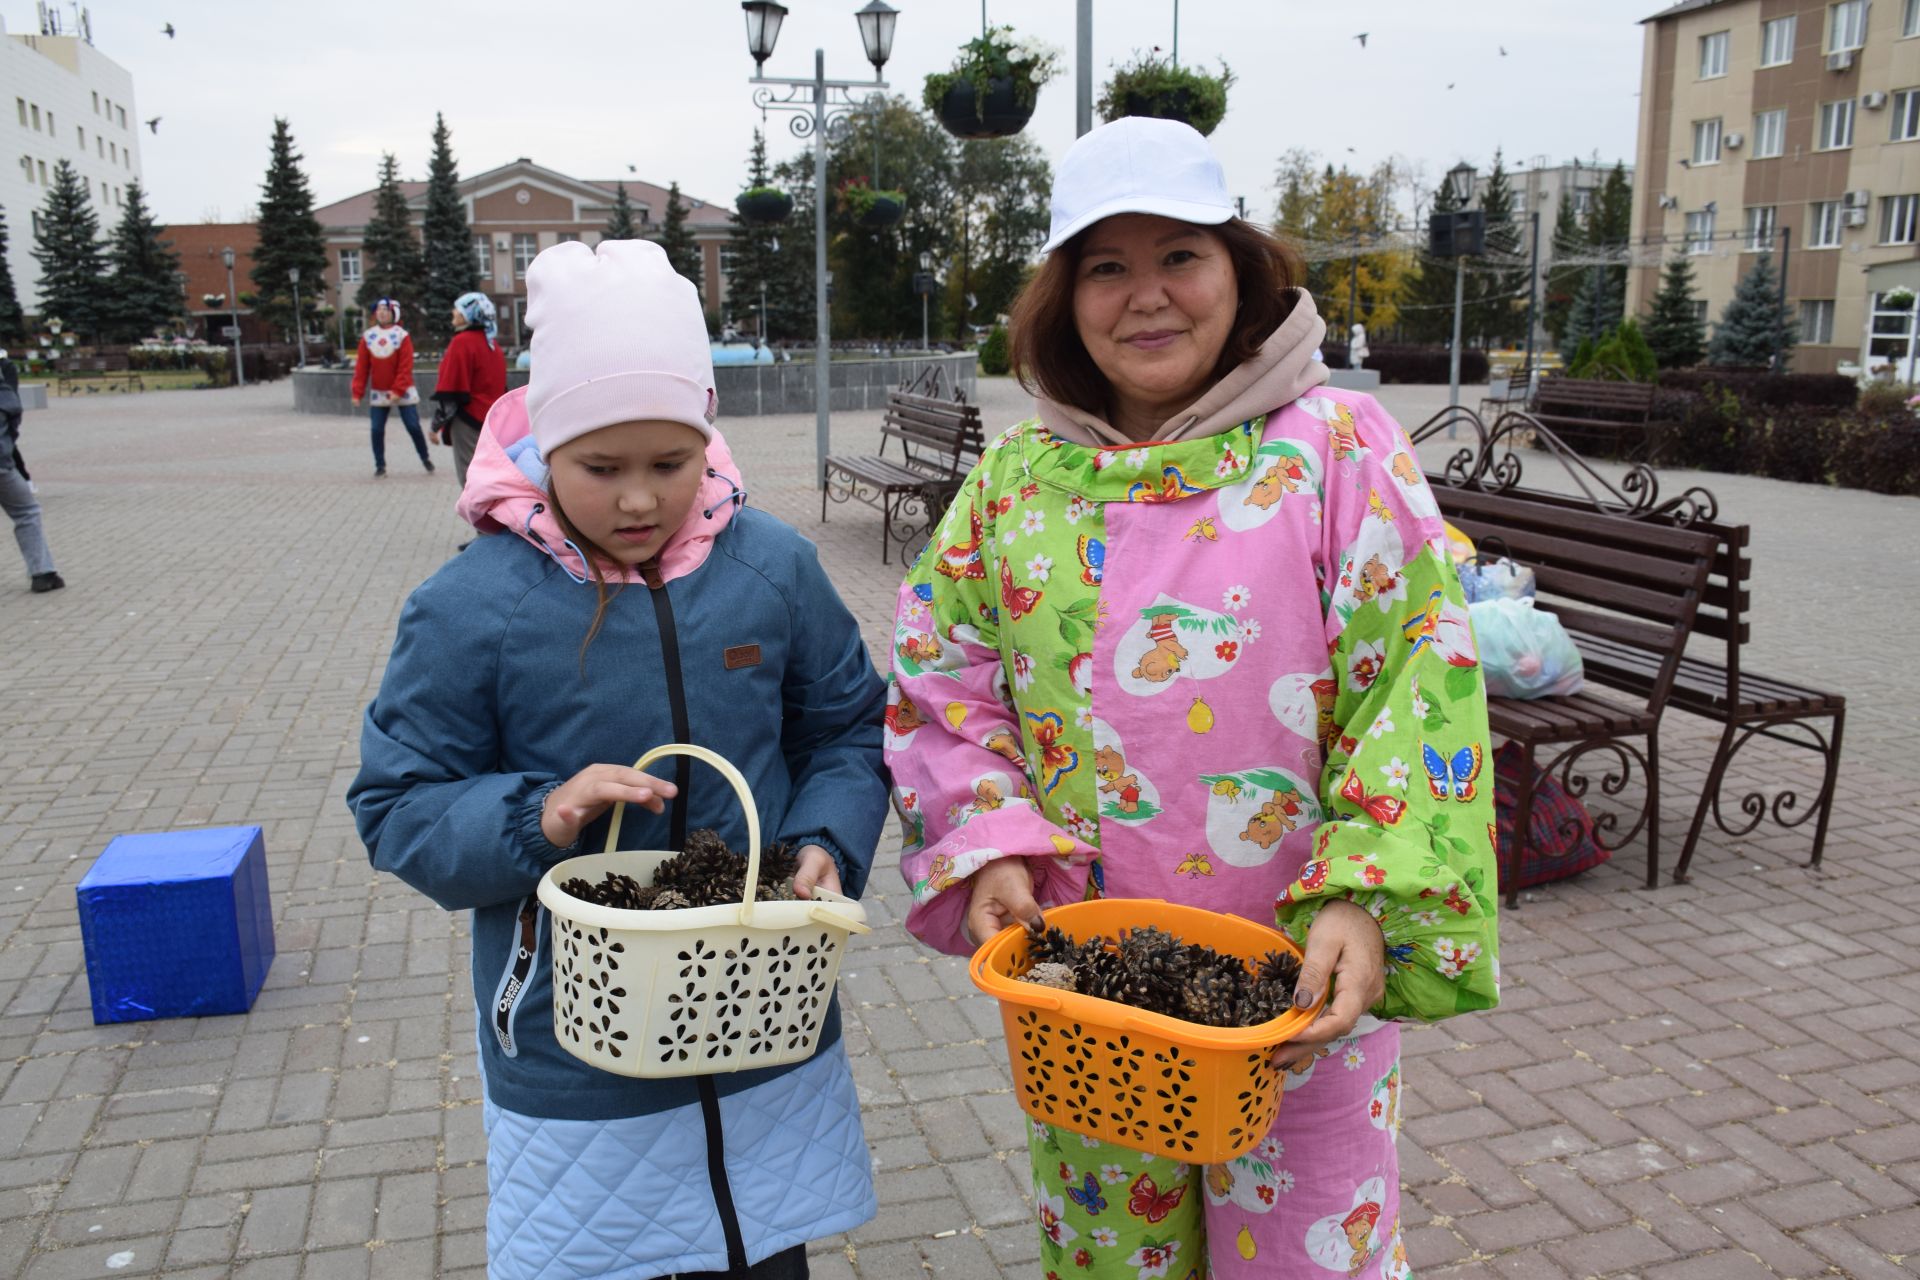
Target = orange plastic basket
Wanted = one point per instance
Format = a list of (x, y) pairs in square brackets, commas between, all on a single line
[(1142, 1080)]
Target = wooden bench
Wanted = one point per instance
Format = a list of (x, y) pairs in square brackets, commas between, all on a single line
[(1514, 389), (96, 372), (1590, 411), (1712, 684), (940, 440), (1627, 584)]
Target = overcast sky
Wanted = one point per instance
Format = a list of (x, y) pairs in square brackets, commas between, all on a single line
[(589, 87)]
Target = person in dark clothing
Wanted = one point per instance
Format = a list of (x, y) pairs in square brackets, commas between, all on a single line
[(16, 490), (473, 374)]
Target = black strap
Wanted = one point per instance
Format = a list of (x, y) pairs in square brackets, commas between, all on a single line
[(717, 1176), (676, 701)]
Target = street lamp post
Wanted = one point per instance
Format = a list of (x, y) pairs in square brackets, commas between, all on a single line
[(299, 324), (926, 292), (1461, 179), (819, 106), (233, 314)]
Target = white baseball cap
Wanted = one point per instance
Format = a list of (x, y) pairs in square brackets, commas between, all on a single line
[(1137, 164)]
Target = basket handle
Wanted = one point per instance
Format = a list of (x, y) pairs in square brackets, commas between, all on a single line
[(732, 775)]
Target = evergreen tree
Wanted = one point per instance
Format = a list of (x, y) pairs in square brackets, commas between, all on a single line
[(290, 237), (1674, 329), (447, 240), (73, 283), (1756, 323), (13, 322), (751, 267), (676, 237), (790, 299), (391, 256), (1427, 311), (1562, 280), (1600, 300), (145, 297), (620, 224), (1598, 305), (1494, 283)]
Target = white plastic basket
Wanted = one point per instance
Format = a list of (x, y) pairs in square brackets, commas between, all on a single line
[(694, 991)]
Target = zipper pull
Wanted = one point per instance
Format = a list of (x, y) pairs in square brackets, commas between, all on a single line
[(650, 572)]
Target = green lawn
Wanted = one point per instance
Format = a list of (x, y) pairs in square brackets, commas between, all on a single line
[(115, 383)]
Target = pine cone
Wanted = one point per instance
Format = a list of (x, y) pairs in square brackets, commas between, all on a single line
[(671, 900), (1051, 945), (1050, 973), (1211, 998), (1100, 972), (1270, 992), (1157, 966)]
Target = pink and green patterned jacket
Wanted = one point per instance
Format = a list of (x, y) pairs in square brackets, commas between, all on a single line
[(1234, 672)]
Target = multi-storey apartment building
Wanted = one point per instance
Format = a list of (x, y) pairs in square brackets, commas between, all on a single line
[(516, 211), (1540, 186), (70, 102), (1790, 127)]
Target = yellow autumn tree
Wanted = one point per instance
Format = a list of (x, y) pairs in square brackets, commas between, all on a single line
[(1341, 222)]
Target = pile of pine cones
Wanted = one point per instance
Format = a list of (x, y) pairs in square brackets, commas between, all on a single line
[(1153, 970), (705, 874)]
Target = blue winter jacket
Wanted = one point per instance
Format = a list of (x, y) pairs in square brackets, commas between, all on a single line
[(488, 703)]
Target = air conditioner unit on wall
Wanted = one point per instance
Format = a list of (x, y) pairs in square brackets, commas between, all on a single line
[(1857, 199), (501, 244), (1853, 217), (1875, 100), (1669, 202), (1840, 61), (1734, 140)]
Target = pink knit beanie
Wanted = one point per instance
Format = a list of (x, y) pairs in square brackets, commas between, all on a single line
[(617, 337)]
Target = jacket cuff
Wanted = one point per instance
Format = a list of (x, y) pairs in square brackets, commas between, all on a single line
[(533, 841), (849, 874)]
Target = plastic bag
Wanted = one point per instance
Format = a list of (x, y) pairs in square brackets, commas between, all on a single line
[(1495, 579), (1524, 652)]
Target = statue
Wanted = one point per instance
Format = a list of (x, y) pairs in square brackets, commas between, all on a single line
[(1356, 346)]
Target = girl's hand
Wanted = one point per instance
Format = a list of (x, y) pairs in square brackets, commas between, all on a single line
[(1346, 946), (1001, 894), (816, 869), (591, 792)]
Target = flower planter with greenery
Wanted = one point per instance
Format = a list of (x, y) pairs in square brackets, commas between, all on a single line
[(993, 86), (869, 206), (763, 206), (1151, 86)]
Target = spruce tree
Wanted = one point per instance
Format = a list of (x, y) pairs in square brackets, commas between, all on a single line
[(1598, 305), (751, 264), (1755, 324), (1562, 279), (447, 239), (290, 237), (13, 322), (145, 296), (73, 284), (1674, 329), (1428, 308), (391, 256), (1494, 282), (620, 223), (676, 237)]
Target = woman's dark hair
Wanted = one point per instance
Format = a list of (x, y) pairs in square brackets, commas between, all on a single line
[(595, 556), (1051, 361)]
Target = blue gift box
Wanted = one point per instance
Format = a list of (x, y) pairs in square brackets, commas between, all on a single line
[(177, 924)]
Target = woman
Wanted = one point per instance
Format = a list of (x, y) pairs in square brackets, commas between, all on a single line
[(383, 375), (473, 374), (16, 490), (1189, 635)]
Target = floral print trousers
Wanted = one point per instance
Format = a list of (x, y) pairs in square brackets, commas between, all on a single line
[(1318, 1197)]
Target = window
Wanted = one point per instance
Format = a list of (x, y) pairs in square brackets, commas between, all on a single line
[(349, 266), (36, 116), (1836, 126), (525, 248), (50, 132), (1713, 55), (100, 146), (1890, 327), (1700, 311), (1823, 230), (1846, 25), (1897, 217), (1582, 200), (26, 167), (121, 114), (566, 237), (96, 102), (1770, 134), (482, 258), (1706, 141), (1906, 116), (82, 132), (22, 104), (1776, 40), (126, 157), (43, 171), (1816, 321), (1700, 231), (36, 222), (1758, 231), (1910, 20)]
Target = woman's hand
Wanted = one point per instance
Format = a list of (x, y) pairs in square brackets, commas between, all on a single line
[(817, 870), (356, 402), (1344, 945), (1001, 893), (591, 792)]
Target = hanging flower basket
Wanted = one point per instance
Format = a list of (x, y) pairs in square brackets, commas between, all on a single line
[(1152, 86), (763, 206), (993, 86), (870, 207), (1899, 298)]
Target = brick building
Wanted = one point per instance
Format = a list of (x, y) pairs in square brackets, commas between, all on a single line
[(199, 245), (517, 210)]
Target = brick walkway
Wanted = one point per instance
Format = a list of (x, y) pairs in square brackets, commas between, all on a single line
[(1719, 1080)]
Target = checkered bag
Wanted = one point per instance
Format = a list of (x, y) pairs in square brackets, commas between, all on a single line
[(1562, 842)]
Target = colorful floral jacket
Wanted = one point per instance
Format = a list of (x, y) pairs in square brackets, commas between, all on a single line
[(1235, 672)]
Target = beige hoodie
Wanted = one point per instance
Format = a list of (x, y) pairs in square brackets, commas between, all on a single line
[(1281, 372)]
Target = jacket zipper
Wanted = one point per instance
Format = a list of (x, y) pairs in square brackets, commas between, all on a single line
[(677, 836)]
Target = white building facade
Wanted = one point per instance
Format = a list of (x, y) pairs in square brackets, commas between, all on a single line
[(61, 99)]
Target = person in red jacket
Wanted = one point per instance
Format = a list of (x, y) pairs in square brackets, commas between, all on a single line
[(473, 374), (383, 375)]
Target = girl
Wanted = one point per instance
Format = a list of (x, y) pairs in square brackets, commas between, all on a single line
[(383, 374), (473, 374), (626, 597)]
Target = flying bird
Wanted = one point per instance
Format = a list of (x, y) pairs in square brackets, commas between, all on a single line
[(1449, 86), (167, 31), (154, 124), (1362, 38), (1503, 51), (632, 169)]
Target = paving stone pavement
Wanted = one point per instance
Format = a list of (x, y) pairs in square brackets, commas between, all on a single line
[(1714, 1080)]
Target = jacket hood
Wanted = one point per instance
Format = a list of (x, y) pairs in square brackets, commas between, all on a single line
[(506, 491), (1283, 370)]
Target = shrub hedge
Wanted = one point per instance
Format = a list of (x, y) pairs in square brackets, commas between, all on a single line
[(1856, 448), (1404, 363), (1827, 390)]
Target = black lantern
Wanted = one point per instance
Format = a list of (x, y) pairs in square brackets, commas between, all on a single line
[(1460, 180), (763, 29), (876, 31)]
